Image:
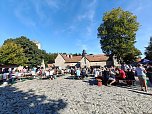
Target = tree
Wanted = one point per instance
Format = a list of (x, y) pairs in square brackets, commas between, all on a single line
[(117, 34), (30, 49), (148, 51), (51, 57), (77, 54), (11, 53), (131, 56)]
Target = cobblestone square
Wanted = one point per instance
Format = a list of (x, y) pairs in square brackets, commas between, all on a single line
[(68, 96)]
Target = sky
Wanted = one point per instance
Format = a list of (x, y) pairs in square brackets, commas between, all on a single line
[(68, 25)]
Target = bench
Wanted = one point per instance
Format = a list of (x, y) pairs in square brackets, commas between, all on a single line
[(127, 81)]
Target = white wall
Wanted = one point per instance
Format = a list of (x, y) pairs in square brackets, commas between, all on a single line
[(59, 61), (102, 64), (70, 64), (82, 63)]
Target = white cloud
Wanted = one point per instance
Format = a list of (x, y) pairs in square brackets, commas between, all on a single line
[(141, 9), (21, 12), (81, 45), (52, 3), (44, 17), (91, 47), (84, 47), (88, 15), (69, 29), (138, 7)]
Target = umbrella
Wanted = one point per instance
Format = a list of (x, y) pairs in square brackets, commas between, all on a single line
[(145, 61)]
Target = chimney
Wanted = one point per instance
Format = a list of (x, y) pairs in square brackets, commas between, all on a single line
[(70, 56), (84, 53)]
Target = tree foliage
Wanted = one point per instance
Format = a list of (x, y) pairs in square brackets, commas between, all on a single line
[(77, 54), (131, 56), (11, 53), (51, 57), (148, 51), (30, 49), (117, 34)]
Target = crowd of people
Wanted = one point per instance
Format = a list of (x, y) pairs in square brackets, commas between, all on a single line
[(113, 75), (10, 75), (109, 75)]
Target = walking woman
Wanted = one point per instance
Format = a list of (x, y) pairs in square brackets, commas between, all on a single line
[(141, 74)]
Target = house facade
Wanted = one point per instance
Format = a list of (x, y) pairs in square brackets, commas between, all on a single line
[(64, 61)]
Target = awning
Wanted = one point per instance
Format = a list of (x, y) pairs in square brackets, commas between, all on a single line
[(145, 61)]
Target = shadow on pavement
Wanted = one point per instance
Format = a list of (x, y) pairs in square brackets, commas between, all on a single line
[(128, 87), (15, 101), (70, 77), (136, 91), (91, 82)]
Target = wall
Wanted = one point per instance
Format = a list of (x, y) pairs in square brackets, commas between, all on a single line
[(70, 64), (102, 64), (83, 64), (59, 61)]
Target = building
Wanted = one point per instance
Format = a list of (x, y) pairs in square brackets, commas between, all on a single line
[(85, 60), (39, 47), (37, 43)]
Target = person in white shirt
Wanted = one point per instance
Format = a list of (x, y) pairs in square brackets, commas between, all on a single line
[(96, 73), (4, 77), (141, 74)]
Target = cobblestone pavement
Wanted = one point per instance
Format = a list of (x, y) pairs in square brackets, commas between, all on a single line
[(67, 96)]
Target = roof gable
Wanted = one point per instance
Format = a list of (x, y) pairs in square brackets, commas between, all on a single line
[(91, 58), (97, 58), (72, 59)]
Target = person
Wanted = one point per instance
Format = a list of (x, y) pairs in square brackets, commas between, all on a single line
[(4, 75), (112, 77), (149, 72), (47, 73), (43, 73), (141, 74), (96, 73), (124, 67), (51, 72), (1, 75), (10, 77), (55, 73), (130, 76), (20, 74), (78, 73), (83, 73), (120, 74), (105, 76), (72, 72)]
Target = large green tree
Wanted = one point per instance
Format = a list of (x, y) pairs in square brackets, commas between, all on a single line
[(148, 51), (11, 53), (117, 34), (51, 57), (30, 49)]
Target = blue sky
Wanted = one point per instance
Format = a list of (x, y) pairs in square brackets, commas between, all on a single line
[(68, 25)]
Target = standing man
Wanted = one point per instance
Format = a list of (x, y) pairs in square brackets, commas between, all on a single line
[(141, 74), (78, 72)]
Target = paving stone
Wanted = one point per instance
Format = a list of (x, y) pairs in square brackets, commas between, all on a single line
[(65, 96)]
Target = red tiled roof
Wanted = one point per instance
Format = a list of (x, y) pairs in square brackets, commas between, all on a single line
[(72, 59), (91, 58), (97, 58)]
